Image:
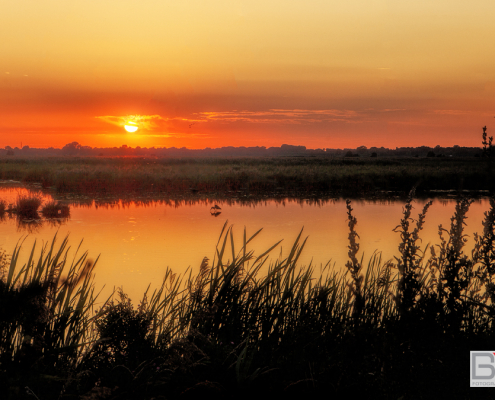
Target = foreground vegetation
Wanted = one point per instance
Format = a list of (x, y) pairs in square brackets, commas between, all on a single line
[(395, 329), (293, 176)]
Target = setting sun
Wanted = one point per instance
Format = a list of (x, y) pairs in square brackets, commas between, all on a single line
[(131, 127)]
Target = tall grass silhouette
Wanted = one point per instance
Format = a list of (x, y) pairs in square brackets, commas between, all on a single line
[(386, 329), (46, 310)]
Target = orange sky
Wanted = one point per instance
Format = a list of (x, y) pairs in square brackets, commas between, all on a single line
[(247, 73)]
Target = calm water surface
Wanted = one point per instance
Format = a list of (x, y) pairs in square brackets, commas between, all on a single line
[(136, 241)]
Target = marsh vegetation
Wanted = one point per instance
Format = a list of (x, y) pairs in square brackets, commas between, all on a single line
[(26, 211), (381, 329), (282, 176)]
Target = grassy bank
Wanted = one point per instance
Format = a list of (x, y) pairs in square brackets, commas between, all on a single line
[(293, 176), (388, 330)]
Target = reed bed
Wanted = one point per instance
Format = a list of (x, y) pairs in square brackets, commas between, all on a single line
[(55, 209), (381, 329), (295, 176), (46, 314), (26, 207)]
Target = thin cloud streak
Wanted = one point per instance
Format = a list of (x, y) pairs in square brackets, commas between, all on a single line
[(451, 112), (176, 135), (295, 116)]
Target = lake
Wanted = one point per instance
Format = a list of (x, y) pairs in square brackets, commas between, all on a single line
[(136, 240)]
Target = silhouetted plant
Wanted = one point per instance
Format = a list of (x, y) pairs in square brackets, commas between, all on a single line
[(124, 334), (455, 270), (487, 144), (484, 250), (27, 206), (411, 272), (353, 265), (55, 209), (488, 152), (45, 321)]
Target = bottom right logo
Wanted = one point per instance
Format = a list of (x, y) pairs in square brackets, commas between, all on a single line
[(482, 371)]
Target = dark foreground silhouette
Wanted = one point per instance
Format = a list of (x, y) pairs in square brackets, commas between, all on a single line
[(400, 329)]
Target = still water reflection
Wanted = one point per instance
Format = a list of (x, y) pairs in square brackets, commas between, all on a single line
[(137, 240)]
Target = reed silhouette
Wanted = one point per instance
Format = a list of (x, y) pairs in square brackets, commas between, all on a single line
[(45, 318), (381, 329)]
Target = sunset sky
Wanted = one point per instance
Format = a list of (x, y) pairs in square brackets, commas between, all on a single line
[(318, 73)]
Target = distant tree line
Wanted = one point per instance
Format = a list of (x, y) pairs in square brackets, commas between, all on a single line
[(286, 150)]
